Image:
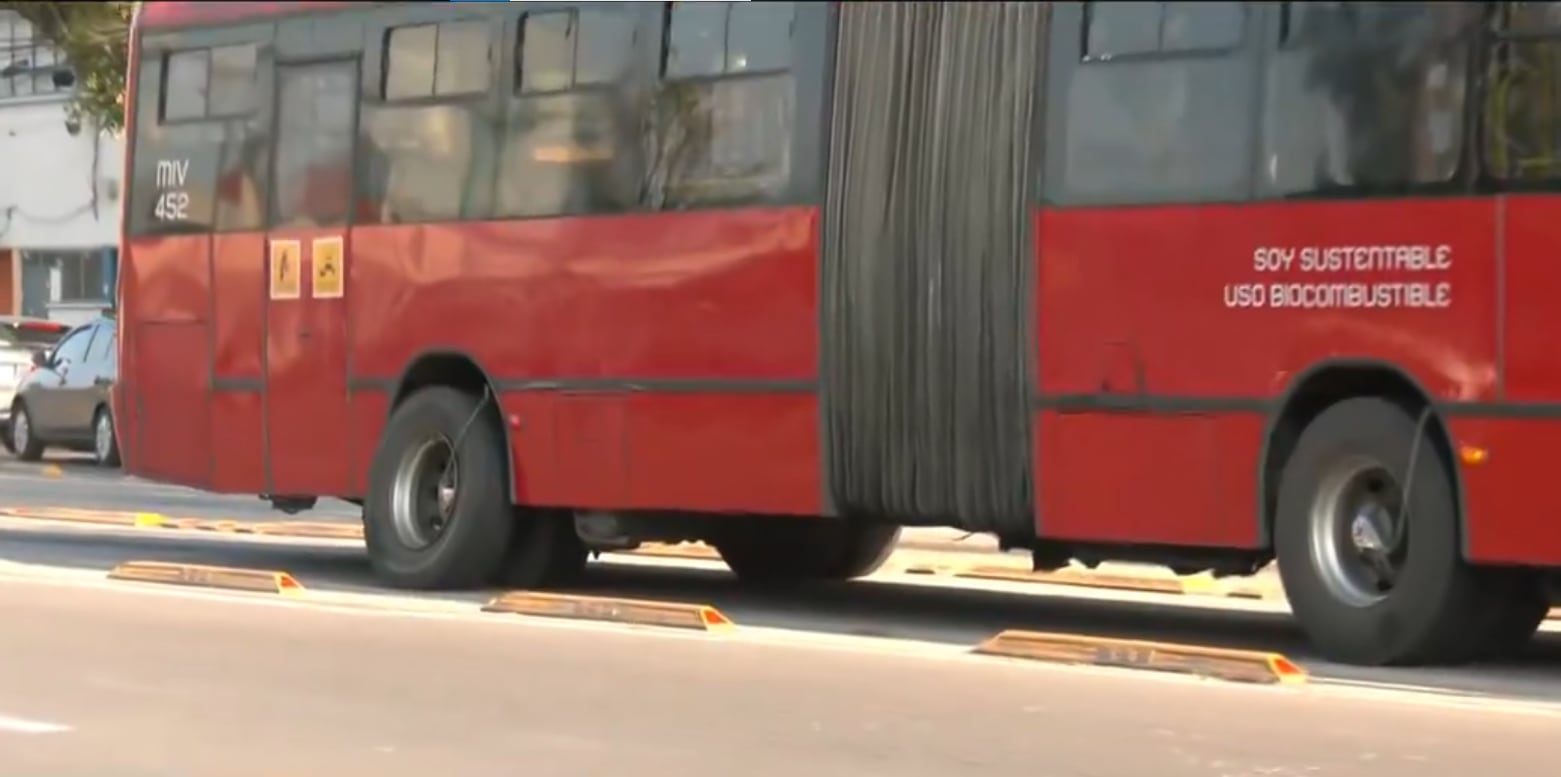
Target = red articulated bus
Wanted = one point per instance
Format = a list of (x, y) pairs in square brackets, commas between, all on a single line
[(1201, 284)]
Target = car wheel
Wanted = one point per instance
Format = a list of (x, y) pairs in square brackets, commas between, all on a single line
[(24, 443), (105, 443)]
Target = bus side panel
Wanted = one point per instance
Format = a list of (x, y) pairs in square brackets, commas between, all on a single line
[(170, 318), (1144, 314), (1512, 517), (368, 409), (1531, 372), (715, 452), (237, 407), (642, 318)]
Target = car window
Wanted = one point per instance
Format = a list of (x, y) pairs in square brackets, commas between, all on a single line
[(74, 347), (102, 344)]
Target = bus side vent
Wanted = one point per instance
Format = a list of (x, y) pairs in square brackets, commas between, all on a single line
[(927, 263)]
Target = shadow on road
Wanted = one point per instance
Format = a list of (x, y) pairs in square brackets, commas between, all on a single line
[(869, 608)]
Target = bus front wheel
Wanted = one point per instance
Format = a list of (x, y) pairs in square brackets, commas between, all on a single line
[(437, 513), (1367, 538)]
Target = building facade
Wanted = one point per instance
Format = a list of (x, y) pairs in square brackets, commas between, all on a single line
[(60, 186)]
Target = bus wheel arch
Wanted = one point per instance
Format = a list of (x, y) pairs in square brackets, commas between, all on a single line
[(458, 370), (1320, 387)]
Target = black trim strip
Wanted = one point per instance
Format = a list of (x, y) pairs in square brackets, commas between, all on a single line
[(627, 385), (1152, 404), (1168, 404)]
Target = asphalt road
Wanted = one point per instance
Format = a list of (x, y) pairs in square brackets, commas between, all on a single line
[(73, 481), (891, 605), (112, 680)]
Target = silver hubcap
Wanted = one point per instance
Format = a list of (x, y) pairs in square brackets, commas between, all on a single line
[(1359, 532), (20, 431), (424, 493), (105, 436)]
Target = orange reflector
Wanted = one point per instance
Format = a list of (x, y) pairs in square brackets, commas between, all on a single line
[(1472, 456), (1220, 663), (227, 578), (677, 615)]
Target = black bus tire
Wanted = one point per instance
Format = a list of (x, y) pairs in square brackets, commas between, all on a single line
[(544, 550), (1431, 613), (783, 551), (471, 548)]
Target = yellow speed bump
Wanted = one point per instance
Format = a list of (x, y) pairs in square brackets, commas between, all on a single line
[(308, 529), (228, 578), (94, 517), (1236, 665), (1074, 577), (682, 550), (677, 615)]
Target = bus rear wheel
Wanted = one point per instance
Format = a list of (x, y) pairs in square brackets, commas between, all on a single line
[(784, 551), (437, 513), (1367, 540)]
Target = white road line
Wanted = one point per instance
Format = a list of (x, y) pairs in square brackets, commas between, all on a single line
[(9, 725)]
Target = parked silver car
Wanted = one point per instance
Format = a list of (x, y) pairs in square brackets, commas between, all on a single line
[(63, 399), (20, 338)]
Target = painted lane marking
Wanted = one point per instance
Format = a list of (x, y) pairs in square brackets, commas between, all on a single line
[(9, 725)]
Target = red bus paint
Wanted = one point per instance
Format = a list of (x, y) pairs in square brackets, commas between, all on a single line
[(665, 365)]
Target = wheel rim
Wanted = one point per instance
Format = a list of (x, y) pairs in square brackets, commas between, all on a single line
[(104, 439), (1359, 531), (424, 494), (20, 430)]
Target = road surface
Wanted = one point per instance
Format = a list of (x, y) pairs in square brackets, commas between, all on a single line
[(110, 680), (890, 605), (73, 481)]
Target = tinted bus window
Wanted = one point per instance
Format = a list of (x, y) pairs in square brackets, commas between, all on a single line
[(1523, 90), (1367, 97), (573, 142), (1152, 107), (725, 113)]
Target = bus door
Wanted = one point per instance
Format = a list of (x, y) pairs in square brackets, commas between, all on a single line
[(306, 344)]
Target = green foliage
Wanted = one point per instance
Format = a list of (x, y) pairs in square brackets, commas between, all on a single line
[(94, 38)]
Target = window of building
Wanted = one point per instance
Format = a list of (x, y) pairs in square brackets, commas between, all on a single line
[(27, 62), (71, 276), (212, 83), (448, 59), (563, 50), (1135, 28)]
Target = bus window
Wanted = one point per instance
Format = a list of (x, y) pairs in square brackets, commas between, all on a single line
[(1366, 97), (1522, 105)]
